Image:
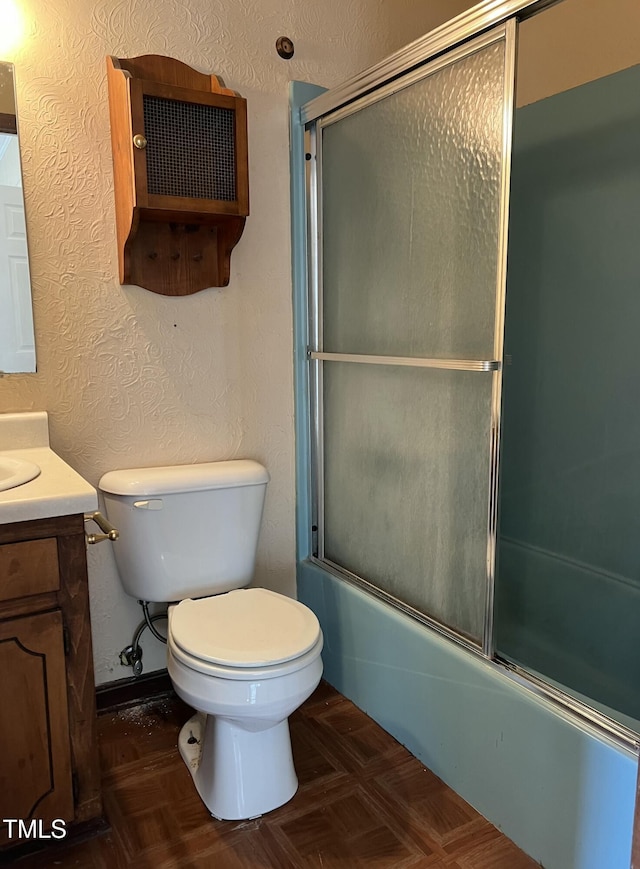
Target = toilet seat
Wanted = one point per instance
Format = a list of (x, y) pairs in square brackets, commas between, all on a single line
[(241, 674), (244, 634)]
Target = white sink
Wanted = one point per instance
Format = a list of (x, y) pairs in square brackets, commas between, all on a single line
[(15, 471)]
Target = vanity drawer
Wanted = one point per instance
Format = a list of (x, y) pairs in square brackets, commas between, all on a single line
[(28, 568)]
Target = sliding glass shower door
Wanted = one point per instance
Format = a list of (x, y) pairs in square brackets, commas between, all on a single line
[(407, 214)]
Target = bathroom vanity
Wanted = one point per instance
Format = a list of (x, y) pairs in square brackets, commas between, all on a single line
[(49, 765)]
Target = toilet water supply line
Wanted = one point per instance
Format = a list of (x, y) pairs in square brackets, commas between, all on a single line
[(130, 656)]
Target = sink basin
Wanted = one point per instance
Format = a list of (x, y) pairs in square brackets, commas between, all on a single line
[(15, 472)]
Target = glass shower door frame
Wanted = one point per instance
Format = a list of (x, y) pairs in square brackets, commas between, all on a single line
[(318, 357)]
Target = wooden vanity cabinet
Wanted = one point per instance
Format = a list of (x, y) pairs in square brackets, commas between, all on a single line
[(49, 764)]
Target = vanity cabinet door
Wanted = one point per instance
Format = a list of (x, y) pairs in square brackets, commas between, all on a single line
[(35, 760)]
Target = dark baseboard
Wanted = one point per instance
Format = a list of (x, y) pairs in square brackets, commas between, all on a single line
[(76, 833), (132, 690)]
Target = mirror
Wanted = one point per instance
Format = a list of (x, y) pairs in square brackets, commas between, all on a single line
[(17, 343)]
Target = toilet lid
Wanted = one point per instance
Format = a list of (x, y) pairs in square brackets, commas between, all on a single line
[(249, 627)]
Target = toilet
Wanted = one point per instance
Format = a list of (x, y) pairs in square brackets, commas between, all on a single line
[(245, 658)]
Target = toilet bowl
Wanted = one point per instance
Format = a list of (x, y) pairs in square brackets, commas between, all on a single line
[(244, 658), (237, 747)]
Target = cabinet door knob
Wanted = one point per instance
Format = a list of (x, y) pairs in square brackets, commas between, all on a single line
[(140, 141)]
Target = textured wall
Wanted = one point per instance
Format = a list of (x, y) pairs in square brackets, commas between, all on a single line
[(129, 377)]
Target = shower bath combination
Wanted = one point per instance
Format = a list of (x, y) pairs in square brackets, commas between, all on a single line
[(493, 504)]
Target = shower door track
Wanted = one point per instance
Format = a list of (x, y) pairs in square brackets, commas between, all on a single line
[(448, 36), (620, 736)]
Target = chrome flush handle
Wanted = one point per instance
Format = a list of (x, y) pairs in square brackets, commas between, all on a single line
[(109, 532)]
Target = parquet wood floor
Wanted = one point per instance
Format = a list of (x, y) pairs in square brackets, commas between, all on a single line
[(363, 801)]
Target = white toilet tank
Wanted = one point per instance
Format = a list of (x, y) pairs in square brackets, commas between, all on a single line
[(186, 530)]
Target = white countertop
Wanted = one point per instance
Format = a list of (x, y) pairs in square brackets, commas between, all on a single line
[(57, 491)]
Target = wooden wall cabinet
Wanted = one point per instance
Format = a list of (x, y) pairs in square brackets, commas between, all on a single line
[(180, 168), (49, 763)]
